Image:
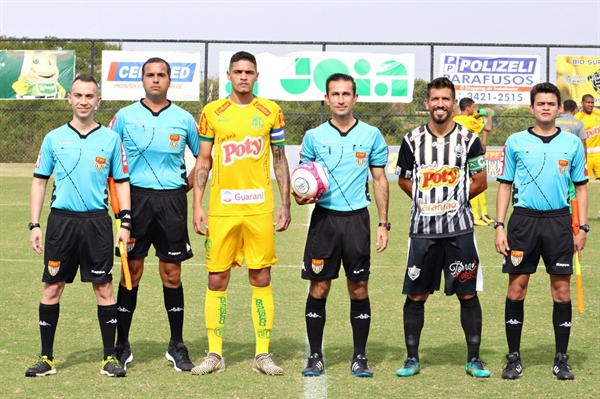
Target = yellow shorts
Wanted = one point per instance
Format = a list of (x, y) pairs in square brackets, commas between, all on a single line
[(593, 165), (231, 239)]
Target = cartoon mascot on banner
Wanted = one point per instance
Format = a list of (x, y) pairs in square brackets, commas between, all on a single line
[(39, 77)]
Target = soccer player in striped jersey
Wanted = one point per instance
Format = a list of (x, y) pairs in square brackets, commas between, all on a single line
[(441, 166), (155, 133), (538, 164), (243, 130), (82, 155)]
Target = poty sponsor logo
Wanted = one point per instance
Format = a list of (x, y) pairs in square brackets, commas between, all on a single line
[(442, 177), (99, 272), (249, 147), (124, 71)]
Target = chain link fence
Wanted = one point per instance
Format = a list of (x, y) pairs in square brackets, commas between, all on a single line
[(24, 123)]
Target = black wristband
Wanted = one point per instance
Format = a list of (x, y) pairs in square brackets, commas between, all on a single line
[(126, 226), (125, 216)]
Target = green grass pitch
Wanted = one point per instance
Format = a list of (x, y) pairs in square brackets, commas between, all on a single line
[(443, 350)]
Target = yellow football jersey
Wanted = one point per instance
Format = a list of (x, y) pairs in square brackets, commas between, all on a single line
[(474, 125), (241, 170), (592, 127)]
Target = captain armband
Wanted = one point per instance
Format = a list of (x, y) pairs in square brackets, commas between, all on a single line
[(476, 164)]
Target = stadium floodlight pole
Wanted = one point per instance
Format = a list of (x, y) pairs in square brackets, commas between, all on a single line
[(114, 203), (578, 279)]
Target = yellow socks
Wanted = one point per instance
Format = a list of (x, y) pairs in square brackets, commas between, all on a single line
[(215, 310), (263, 311)]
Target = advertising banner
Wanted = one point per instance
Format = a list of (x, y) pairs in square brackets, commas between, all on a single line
[(492, 79), (577, 75), (36, 74), (301, 76), (122, 74)]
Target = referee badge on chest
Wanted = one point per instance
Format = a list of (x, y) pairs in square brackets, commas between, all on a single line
[(317, 265), (361, 158), (53, 267), (562, 166), (99, 163), (413, 272), (516, 257), (174, 140)]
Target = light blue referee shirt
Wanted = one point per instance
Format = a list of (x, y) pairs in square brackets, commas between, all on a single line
[(155, 144), (81, 166), (347, 158)]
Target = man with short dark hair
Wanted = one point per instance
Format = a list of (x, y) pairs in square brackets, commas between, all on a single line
[(82, 155), (155, 133), (243, 131), (441, 166), (538, 164), (340, 231)]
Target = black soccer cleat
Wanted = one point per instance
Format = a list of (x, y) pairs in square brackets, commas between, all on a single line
[(314, 367), (561, 370), (513, 368), (179, 356)]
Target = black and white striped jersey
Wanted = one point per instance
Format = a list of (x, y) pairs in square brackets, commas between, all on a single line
[(440, 169)]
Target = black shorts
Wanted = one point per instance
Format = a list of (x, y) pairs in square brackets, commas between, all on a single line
[(335, 238), (159, 218), (456, 256), (76, 239), (534, 234)]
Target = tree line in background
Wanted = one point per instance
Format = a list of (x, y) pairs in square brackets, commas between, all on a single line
[(25, 122)]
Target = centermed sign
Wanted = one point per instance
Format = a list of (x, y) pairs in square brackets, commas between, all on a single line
[(122, 74), (492, 79), (301, 76)]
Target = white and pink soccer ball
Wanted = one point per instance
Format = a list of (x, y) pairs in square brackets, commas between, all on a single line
[(310, 179)]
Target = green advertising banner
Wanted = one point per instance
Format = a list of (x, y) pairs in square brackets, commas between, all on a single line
[(35, 74)]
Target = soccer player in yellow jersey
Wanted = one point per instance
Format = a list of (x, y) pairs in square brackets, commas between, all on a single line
[(591, 121), (240, 129), (470, 119)]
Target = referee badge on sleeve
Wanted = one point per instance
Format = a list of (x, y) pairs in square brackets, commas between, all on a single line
[(516, 257)]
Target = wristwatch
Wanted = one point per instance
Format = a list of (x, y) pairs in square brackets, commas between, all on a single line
[(32, 225), (585, 227), (498, 224), (387, 225)]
